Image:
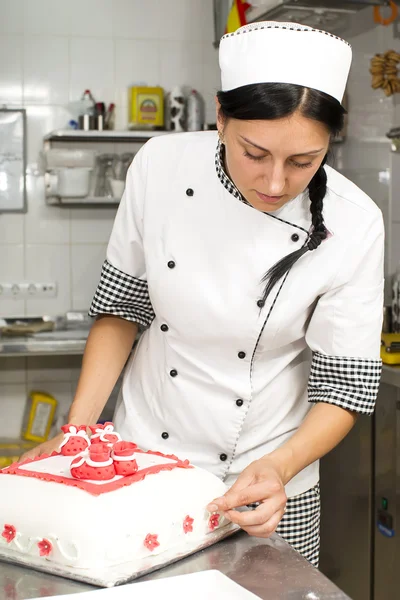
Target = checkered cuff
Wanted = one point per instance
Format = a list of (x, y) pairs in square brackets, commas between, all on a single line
[(122, 295), (351, 383)]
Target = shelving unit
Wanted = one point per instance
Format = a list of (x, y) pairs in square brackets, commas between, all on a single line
[(65, 138)]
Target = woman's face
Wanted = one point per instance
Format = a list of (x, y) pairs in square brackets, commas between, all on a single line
[(272, 162)]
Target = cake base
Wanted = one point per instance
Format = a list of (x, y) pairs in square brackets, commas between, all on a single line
[(118, 574)]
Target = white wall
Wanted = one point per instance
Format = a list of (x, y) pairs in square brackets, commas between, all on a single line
[(50, 52)]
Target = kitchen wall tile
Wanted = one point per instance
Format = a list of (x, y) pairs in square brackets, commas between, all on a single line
[(47, 262), (12, 370), (136, 61), (137, 20), (42, 120), (211, 80), (91, 18), (90, 226), (12, 403), (11, 16), (45, 224), (11, 228), (92, 67), (11, 270), (11, 74), (46, 69), (181, 64), (47, 16), (86, 268), (48, 368), (187, 21)]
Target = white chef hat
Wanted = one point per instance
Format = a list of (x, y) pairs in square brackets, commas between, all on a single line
[(275, 52)]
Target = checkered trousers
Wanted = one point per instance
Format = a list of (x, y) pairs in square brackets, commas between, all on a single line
[(122, 295), (351, 383), (300, 525)]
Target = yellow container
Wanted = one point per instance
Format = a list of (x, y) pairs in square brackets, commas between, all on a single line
[(146, 107), (390, 348), (39, 415)]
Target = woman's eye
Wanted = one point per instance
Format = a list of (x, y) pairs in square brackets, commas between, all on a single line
[(301, 165), (252, 157)]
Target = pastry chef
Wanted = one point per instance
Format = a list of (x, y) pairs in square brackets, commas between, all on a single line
[(256, 271)]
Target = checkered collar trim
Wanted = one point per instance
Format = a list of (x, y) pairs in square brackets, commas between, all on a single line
[(223, 176)]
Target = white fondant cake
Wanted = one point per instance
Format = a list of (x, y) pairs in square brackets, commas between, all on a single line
[(50, 510)]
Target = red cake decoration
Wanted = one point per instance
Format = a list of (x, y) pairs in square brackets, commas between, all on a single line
[(123, 457), (188, 524), (103, 466), (75, 440), (9, 533), (104, 433), (213, 521), (151, 542), (94, 464), (45, 547)]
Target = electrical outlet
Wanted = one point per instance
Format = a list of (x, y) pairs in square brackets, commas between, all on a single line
[(28, 289)]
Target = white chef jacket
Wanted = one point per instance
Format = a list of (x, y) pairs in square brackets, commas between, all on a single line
[(215, 377)]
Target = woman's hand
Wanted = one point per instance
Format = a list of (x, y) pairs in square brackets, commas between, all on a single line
[(259, 482), (45, 448)]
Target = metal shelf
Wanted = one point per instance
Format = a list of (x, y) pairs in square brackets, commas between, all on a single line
[(79, 135), (92, 201)]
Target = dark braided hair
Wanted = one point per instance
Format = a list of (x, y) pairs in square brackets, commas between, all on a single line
[(276, 101)]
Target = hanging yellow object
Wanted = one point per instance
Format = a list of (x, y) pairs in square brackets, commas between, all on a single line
[(237, 15)]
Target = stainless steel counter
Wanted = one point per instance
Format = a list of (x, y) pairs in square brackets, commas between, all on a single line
[(57, 342), (271, 569)]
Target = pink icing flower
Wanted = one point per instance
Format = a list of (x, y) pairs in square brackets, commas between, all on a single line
[(188, 524), (9, 533), (45, 547), (151, 542), (213, 522)]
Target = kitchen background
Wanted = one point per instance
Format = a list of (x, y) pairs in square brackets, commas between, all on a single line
[(51, 51)]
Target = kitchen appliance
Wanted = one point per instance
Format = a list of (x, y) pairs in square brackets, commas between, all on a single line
[(360, 496), (336, 16)]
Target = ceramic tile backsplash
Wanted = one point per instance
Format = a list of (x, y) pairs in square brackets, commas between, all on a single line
[(91, 18), (86, 263), (52, 17), (131, 69), (46, 74), (11, 69), (49, 369), (11, 271), (49, 262), (45, 225), (11, 228), (92, 66), (91, 227), (136, 20), (12, 403), (12, 16)]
